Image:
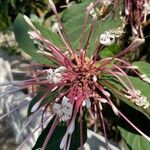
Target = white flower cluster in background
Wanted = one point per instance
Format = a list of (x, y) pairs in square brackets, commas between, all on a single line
[(55, 75), (138, 99), (63, 110), (107, 38)]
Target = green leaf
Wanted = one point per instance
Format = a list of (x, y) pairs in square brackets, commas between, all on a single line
[(21, 29), (58, 134), (143, 67), (49, 98), (132, 141), (48, 34), (117, 89), (73, 23), (110, 51)]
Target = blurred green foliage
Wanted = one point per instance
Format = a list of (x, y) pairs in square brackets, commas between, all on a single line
[(9, 9)]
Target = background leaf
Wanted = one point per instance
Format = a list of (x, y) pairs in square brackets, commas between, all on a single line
[(132, 141), (73, 19), (144, 67), (21, 29), (49, 98), (116, 90)]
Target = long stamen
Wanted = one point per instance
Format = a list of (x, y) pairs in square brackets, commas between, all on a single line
[(37, 104), (69, 141), (125, 76), (137, 129), (121, 81), (90, 33), (125, 118), (131, 47), (85, 22), (65, 37), (15, 109), (21, 146), (11, 92), (69, 49), (83, 30), (27, 123)]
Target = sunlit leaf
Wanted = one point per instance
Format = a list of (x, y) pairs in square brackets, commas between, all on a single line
[(132, 141)]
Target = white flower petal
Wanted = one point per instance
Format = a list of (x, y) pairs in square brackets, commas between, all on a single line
[(55, 76), (65, 118), (57, 109), (61, 68), (56, 79), (147, 104), (65, 101), (88, 103), (107, 38)]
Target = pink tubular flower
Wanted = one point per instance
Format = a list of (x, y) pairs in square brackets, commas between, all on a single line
[(79, 82)]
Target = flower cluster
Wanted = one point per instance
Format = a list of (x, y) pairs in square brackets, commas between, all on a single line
[(64, 110), (107, 38), (137, 98), (80, 82)]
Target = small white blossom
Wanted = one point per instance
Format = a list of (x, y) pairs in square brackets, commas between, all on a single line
[(136, 97), (142, 102), (63, 110), (145, 78), (107, 38), (55, 76)]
